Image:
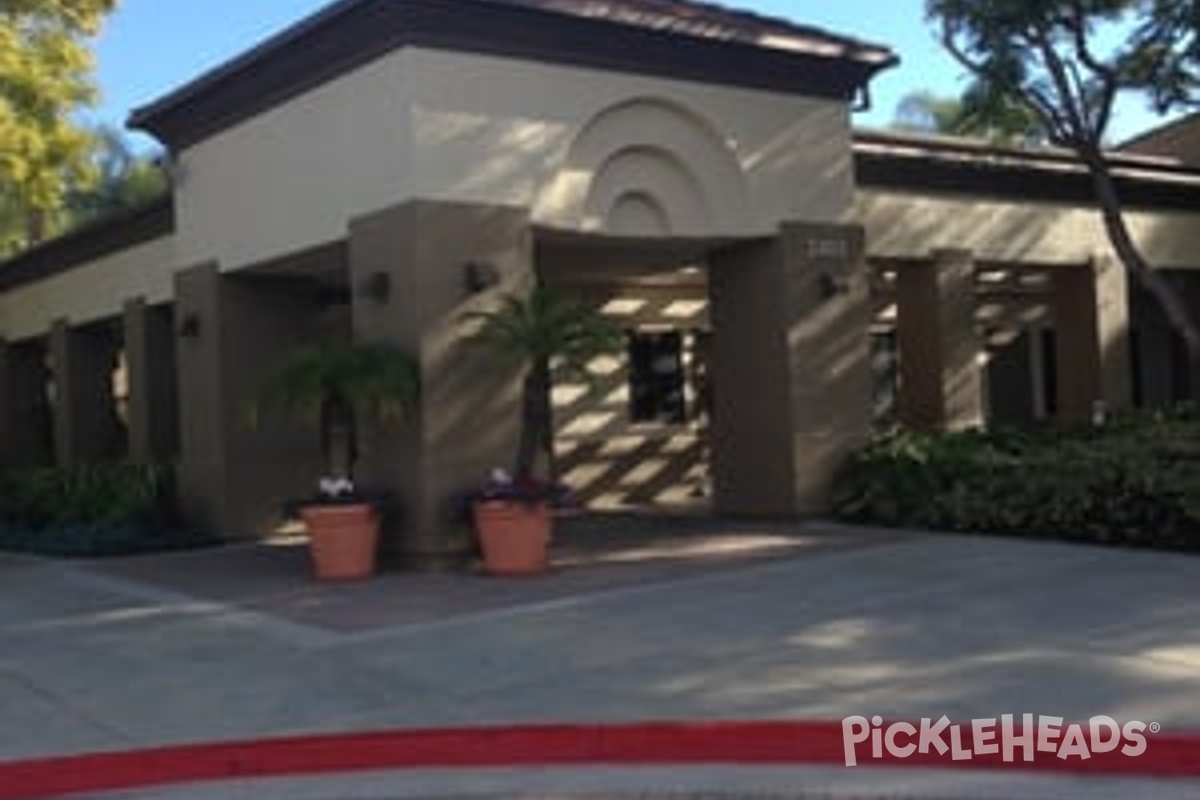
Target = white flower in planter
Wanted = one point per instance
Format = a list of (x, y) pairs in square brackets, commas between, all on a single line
[(335, 487)]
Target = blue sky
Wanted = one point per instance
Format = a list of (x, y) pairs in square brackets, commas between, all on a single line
[(152, 46)]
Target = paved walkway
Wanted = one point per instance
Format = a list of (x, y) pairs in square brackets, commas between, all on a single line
[(703, 783), (724, 623)]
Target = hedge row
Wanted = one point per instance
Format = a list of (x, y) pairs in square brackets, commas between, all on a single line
[(1133, 481), (88, 511)]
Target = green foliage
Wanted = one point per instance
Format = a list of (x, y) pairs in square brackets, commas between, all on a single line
[(1067, 61), (547, 326), (331, 385), (1007, 124), (125, 181), (46, 497), (539, 332), (45, 76), (110, 509), (377, 379), (1135, 481)]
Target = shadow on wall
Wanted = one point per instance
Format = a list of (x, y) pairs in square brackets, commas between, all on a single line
[(1015, 324), (605, 453), (1168, 241), (637, 470), (910, 225), (1159, 355), (648, 166)]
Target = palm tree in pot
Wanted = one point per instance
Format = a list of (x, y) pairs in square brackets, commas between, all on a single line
[(335, 386), (541, 332)]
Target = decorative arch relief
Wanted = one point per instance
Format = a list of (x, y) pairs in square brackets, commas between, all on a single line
[(638, 214), (648, 166), (656, 177)]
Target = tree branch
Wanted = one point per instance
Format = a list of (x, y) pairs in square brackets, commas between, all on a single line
[(976, 68), (1056, 126), (1076, 24), (1106, 74), (1108, 97), (1071, 106), (1029, 96)]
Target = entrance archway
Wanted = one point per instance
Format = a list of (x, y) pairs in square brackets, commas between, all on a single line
[(638, 436)]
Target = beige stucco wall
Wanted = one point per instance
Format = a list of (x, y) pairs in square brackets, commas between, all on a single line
[(903, 225), (499, 131), (291, 177), (666, 156), (90, 292)]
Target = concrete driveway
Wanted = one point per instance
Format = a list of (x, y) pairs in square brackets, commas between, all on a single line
[(825, 623)]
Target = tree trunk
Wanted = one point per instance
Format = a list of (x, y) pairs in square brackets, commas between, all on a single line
[(1155, 283), (547, 417), (537, 434), (339, 437), (35, 227)]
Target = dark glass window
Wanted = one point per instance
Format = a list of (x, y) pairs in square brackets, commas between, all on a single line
[(656, 377), (1137, 382), (1050, 370), (1180, 371)]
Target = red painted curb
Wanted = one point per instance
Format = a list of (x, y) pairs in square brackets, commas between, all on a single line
[(748, 743)]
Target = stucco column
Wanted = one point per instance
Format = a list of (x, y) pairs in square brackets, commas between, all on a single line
[(941, 382), (791, 380), (408, 272), (1112, 290), (234, 478), (86, 427), (150, 368), (1091, 320)]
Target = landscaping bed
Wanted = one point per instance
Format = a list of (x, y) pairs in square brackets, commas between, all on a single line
[(1132, 481), (91, 511)]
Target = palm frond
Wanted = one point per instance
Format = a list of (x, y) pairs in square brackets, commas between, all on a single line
[(546, 325), (377, 378)]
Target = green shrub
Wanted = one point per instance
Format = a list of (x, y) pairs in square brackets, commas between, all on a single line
[(1135, 481), (92, 510)]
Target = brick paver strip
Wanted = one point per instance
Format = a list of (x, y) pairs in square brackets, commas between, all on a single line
[(743, 743)]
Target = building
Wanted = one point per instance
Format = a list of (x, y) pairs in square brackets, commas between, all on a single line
[(1178, 140), (384, 167)]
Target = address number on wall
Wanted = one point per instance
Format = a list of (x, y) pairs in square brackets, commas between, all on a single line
[(834, 249)]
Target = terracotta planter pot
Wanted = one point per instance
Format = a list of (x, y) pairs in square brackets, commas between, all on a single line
[(343, 540), (514, 536)]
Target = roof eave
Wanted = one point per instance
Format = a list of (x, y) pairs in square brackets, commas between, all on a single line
[(354, 32), (155, 220), (938, 166)]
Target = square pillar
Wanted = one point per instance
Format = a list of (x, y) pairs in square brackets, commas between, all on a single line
[(86, 426), (1112, 322), (153, 415), (468, 420), (235, 479), (941, 380), (202, 453), (26, 438), (1091, 321), (791, 377)]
